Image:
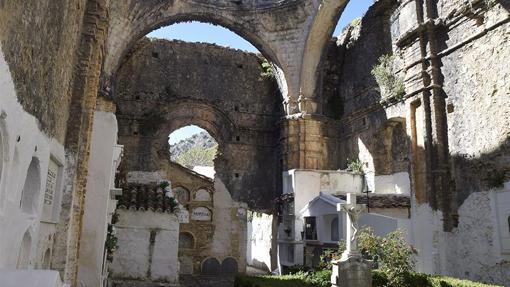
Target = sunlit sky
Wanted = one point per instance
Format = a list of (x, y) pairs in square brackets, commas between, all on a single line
[(203, 32)]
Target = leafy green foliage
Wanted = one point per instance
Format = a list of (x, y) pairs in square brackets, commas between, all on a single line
[(164, 184), (110, 243), (172, 204), (299, 279), (322, 279), (390, 84), (198, 156), (393, 254), (267, 69), (355, 165), (330, 255)]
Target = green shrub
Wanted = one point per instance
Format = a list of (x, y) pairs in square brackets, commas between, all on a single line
[(390, 84), (393, 254), (355, 165), (379, 279)]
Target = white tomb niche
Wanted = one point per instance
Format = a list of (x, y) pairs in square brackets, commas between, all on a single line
[(203, 195), (181, 194), (24, 252), (31, 188), (201, 214), (51, 193)]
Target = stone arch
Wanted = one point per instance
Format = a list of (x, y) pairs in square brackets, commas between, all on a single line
[(186, 240), (318, 38), (211, 266), (31, 188), (185, 113), (24, 252), (149, 18), (229, 266), (182, 194)]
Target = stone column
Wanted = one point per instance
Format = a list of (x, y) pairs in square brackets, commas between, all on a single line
[(351, 270)]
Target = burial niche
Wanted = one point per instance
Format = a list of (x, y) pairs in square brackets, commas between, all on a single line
[(229, 266), (211, 266), (24, 252), (335, 234), (186, 240), (182, 195), (31, 188)]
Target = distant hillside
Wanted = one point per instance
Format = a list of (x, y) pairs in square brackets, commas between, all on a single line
[(198, 146)]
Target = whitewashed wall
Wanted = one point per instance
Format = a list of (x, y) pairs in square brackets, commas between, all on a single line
[(104, 157), (148, 243), (259, 241), (22, 142)]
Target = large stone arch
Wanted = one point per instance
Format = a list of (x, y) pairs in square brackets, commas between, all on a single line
[(290, 33), (320, 32)]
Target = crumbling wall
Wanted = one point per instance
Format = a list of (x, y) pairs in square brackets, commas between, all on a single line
[(40, 47), (163, 86), (451, 56)]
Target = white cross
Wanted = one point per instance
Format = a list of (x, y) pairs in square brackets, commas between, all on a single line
[(354, 212)]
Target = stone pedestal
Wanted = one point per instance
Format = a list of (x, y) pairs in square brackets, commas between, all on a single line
[(352, 272)]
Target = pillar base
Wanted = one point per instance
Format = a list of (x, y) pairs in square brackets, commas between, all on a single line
[(352, 272)]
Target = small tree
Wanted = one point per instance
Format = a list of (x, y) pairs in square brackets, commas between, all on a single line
[(197, 156), (391, 86)]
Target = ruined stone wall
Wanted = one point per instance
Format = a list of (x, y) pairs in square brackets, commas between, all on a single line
[(352, 95), (40, 47), (163, 86), (452, 58)]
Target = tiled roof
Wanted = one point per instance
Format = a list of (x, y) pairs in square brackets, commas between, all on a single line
[(144, 197), (375, 200)]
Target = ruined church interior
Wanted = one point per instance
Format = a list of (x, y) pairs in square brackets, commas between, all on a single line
[(300, 152)]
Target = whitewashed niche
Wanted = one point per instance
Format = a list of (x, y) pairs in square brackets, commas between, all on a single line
[(31, 188), (202, 195), (24, 252)]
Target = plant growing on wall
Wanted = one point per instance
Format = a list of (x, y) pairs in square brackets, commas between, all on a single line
[(496, 179), (267, 69), (110, 243), (391, 86), (355, 165)]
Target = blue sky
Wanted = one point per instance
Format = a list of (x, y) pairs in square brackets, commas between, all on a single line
[(202, 32), (184, 133)]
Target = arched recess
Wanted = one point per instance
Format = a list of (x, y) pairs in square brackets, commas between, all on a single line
[(31, 188), (186, 240), (185, 113), (120, 45), (318, 38), (229, 266), (24, 251), (335, 230), (211, 266), (182, 194)]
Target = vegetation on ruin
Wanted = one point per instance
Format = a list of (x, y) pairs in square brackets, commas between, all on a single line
[(392, 87), (111, 243), (267, 69), (355, 165)]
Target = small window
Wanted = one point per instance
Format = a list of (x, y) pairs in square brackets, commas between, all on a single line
[(335, 234), (310, 228)]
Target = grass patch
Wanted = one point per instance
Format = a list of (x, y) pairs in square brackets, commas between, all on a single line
[(322, 279)]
